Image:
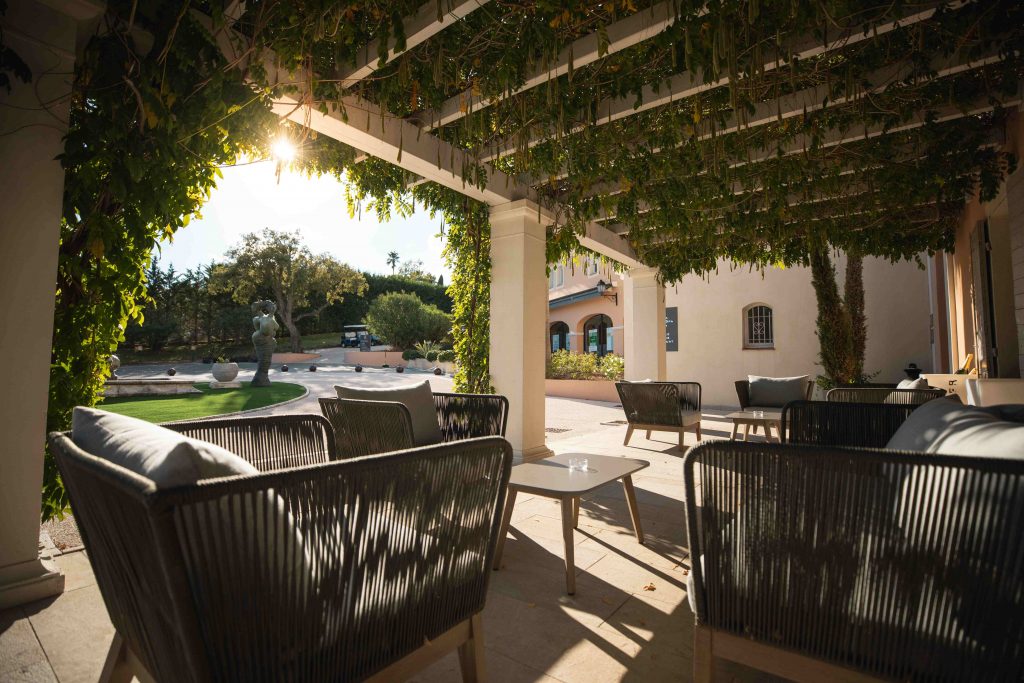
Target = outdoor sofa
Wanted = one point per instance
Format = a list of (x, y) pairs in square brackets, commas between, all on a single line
[(914, 397), (831, 557), (215, 567), (367, 421), (661, 407)]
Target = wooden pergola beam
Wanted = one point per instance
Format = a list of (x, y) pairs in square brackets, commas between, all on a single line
[(429, 20), (621, 35), (686, 84)]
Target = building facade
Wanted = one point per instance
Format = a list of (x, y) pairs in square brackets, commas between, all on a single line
[(740, 322)]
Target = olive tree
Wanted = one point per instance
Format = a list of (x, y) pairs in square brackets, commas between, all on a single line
[(279, 265), (402, 319)]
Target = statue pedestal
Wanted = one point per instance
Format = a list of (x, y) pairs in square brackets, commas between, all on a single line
[(226, 385)]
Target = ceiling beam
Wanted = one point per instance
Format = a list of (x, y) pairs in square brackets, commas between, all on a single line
[(621, 35), (686, 84), (429, 20)]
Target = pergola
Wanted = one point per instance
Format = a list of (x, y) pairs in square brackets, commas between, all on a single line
[(661, 135)]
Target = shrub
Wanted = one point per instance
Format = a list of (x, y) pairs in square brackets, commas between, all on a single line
[(565, 364), (613, 367), (432, 355), (402, 320), (425, 347), (446, 356), (411, 354)]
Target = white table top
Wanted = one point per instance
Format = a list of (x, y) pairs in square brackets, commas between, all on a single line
[(552, 477), (773, 414)]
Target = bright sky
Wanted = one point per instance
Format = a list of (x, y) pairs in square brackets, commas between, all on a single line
[(249, 198)]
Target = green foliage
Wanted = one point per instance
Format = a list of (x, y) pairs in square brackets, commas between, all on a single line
[(401, 319), (446, 356), (564, 364), (278, 265), (411, 354), (841, 323), (612, 366), (432, 355), (426, 347)]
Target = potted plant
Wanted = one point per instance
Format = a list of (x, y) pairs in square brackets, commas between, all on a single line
[(223, 371)]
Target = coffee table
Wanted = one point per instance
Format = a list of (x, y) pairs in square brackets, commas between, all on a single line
[(767, 419), (552, 478)]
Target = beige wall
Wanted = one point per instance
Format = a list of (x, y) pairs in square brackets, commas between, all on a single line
[(1005, 215), (710, 316)]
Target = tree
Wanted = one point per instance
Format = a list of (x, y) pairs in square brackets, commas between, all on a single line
[(402, 319), (440, 280), (279, 265), (841, 323), (392, 260), (413, 270)]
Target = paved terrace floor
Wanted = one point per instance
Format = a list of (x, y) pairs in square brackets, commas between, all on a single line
[(629, 619)]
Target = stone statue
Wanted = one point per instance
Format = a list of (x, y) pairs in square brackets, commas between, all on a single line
[(265, 325)]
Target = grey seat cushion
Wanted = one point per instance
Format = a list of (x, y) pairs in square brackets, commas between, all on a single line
[(262, 528), (418, 398), (775, 392), (919, 383), (165, 457), (946, 426)]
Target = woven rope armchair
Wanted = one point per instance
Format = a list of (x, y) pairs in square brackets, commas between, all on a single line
[(818, 563), (661, 407), (822, 423), (368, 427), (367, 568), (743, 392), (912, 397), (267, 443)]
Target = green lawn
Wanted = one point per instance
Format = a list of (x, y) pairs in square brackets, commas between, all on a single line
[(210, 402)]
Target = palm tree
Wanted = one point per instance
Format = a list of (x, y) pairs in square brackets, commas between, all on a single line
[(392, 260)]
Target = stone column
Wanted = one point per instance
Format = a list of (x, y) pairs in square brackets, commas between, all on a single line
[(644, 324), (33, 181), (518, 315)]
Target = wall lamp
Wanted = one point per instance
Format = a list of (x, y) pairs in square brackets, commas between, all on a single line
[(602, 287)]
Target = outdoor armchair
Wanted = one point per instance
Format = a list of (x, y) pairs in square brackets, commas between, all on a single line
[(820, 563), (368, 427), (830, 423), (661, 407), (743, 393), (267, 443), (914, 397), (366, 568)]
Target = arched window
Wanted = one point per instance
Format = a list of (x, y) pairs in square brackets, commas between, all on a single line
[(559, 334), (597, 335), (758, 327)]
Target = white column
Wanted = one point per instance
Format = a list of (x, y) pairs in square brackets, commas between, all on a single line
[(518, 313), (644, 324), (29, 233)]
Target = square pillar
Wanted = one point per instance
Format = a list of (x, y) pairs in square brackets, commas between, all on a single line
[(519, 302), (644, 325), (29, 238)]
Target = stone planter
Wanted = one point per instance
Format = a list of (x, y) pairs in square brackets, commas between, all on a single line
[(225, 372)]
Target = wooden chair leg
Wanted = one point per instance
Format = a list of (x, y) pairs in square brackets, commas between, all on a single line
[(703, 659), (698, 432), (471, 653), (746, 432), (506, 519), (116, 668), (682, 433), (648, 434), (629, 433)]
